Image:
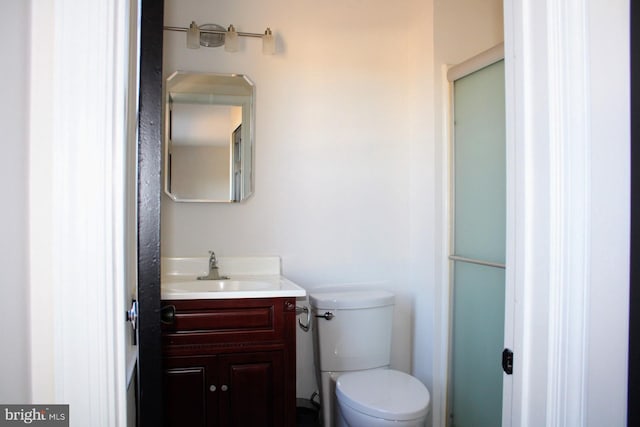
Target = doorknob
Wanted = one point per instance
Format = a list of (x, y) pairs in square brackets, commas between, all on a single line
[(132, 317), (168, 314)]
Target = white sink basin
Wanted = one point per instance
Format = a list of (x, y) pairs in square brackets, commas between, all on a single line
[(240, 287), (249, 278)]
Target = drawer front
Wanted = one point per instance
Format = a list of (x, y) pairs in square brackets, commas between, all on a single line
[(221, 320), (214, 323)]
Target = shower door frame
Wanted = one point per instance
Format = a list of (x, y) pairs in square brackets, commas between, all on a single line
[(465, 68)]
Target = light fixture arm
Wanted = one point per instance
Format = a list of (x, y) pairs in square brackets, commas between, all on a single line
[(240, 33)]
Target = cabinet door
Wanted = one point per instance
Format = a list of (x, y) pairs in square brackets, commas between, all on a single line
[(252, 389), (190, 392)]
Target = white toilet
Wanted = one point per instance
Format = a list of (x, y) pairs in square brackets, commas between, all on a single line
[(352, 333)]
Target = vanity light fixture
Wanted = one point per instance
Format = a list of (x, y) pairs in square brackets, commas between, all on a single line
[(213, 35)]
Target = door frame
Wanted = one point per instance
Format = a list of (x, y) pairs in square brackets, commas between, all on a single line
[(568, 125), (537, 40), (633, 410), (149, 194), (78, 120)]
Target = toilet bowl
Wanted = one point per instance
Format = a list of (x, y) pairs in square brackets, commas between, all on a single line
[(381, 398)]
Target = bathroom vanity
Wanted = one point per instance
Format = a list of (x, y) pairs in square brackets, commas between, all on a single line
[(229, 350)]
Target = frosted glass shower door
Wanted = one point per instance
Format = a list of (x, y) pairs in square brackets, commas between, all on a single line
[(478, 248)]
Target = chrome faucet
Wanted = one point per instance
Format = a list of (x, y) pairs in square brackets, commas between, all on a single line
[(213, 269)]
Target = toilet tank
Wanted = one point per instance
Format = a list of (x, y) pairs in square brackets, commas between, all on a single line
[(358, 335)]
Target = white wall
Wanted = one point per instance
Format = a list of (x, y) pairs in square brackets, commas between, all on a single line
[(343, 115), (14, 334)]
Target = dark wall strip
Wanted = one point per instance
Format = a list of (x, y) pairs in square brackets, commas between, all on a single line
[(149, 181)]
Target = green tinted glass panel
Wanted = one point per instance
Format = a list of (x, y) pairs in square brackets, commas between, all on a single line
[(478, 323), (479, 233), (479, 164)]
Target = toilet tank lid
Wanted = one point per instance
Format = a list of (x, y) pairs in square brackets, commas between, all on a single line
[(350, 299)]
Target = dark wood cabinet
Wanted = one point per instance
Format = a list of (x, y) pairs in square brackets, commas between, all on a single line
[(229, 363), (255, 390), (189, 399)]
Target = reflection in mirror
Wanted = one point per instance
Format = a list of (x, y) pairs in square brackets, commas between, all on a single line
[(208, 137)]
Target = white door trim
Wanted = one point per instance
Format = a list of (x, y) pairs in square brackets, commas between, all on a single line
[(569, 141), (77, 154), (551, 51), (551, 142), (548, 203)]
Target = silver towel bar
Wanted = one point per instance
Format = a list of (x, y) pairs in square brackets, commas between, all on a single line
[(476, 261)]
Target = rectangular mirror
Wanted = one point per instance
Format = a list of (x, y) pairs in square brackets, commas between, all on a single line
[(208, 137)]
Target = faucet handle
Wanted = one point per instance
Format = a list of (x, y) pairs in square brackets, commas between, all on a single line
[(213, 269), (212, 259)]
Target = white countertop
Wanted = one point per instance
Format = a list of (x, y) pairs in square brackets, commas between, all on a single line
[(249, 277)]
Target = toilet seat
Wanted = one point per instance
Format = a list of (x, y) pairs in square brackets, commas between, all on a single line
[(384, 393)]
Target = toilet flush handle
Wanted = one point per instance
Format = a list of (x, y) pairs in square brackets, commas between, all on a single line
[(327, 315)]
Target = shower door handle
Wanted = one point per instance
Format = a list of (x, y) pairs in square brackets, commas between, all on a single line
[(507, 361)]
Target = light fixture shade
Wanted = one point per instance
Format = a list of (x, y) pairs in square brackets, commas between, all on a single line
[(193, 36), (231, 39), (268, 42)]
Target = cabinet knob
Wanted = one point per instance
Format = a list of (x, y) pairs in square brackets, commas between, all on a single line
[(224, 387), (212, 388)]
